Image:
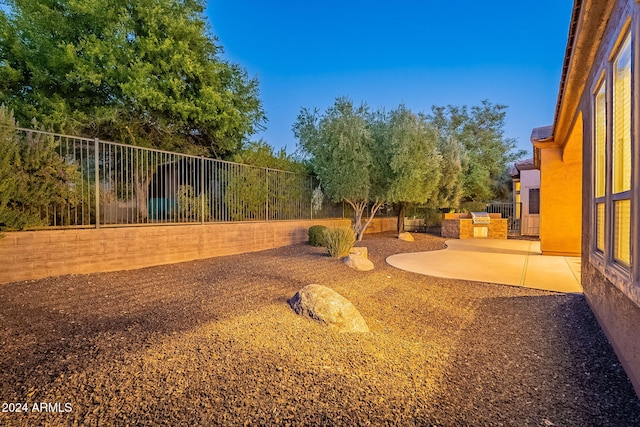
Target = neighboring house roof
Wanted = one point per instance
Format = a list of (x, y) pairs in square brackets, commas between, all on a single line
[(522, 165), (542, 133)]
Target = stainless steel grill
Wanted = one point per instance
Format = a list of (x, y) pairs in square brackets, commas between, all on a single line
[(480, 218)]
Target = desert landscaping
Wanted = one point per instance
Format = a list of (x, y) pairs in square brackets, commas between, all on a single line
[(215, 342)]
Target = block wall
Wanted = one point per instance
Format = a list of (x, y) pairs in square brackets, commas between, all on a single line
[(36, 254)]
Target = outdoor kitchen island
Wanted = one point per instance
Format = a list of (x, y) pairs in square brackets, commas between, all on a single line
[(474, 225)]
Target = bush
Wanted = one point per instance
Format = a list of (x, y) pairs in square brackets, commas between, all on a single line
[(190, 205), (316, 235), (339, 241), (36, 183), (432, 218), (473, 206)]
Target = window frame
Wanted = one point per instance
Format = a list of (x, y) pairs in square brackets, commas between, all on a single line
[(535, 190), (601, 85), (617, 272), (626, 40)]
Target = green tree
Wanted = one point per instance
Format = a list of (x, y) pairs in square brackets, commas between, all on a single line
[(144, 72), (486, 151), (34, 179), (365, 158), (407, 150), (277, 185), (261, 154), (9, 157), (450, 188), (339, 145)]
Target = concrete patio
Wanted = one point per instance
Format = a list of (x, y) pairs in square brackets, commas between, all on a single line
[(508, 262)]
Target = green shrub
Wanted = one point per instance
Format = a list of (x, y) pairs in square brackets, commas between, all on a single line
[(36, 183), (432, 218), (316, 235), (339, 241), (190, 205), (473, 206)]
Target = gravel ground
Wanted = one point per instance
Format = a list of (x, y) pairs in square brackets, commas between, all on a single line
[(214, 342)]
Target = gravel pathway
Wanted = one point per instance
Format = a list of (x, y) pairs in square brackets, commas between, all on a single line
[(214, 342)]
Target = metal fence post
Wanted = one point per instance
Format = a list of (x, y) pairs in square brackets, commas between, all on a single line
[(311, 199), (266, 202), (96, 160), (202, 190)]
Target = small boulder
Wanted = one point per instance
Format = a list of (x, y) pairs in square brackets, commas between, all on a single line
[(362, 251), (358, 262), (407, 237), (328, 307)]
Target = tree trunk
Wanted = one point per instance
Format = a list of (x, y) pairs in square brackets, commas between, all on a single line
[(401, 213), (374, 209), (358, 209)]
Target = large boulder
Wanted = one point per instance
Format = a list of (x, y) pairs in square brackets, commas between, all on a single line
[(328, 307), (407, 237)]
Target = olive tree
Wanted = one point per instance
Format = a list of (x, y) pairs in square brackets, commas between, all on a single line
[(407, 148), (486, 152), (369, 159), (339, 145)]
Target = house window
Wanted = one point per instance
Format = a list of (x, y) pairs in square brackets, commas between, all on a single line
[(622, 223), (518, 199), (621, 154), (534, 201), (600, 162), (622, 120), (600, 227), (600, 138), (612, 178)]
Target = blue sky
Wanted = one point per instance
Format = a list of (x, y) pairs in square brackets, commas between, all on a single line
[(420, 53)]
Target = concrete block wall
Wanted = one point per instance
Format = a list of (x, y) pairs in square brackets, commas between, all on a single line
[(32, 255)]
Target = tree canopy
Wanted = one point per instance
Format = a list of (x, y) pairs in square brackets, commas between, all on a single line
[(339, 144), (34, 179), (261, 154), (143, 72), (369, 158), (365, 158), (407, 147), (486, 151), (412, 152)]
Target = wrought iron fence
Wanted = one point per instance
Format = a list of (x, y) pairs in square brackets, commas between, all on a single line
[(510, 211), (430, 219), (119, 184)]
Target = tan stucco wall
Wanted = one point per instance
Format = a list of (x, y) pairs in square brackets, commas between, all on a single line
[(561, 197), (613, 297), (36, 254), (619, 318)]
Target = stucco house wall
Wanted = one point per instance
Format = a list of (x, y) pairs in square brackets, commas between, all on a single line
[(565, 153), (526, 178), (561, 198), (530, 221)]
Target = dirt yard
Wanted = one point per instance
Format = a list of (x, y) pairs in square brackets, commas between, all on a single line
[(214, 342)]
